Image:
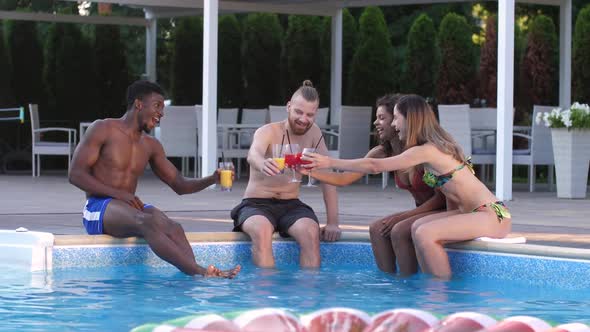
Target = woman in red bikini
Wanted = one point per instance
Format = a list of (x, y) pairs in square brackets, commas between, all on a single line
[(429, 146), (391, 237)]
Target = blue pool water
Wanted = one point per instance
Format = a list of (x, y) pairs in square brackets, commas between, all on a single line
[(120, 297)]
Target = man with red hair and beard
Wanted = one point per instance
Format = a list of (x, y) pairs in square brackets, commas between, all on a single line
[(271, 202)]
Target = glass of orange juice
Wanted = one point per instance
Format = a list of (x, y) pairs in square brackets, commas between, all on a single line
[(226, 176), (278, 155)]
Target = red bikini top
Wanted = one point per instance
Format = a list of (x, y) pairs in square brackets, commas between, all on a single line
[(416, 184)]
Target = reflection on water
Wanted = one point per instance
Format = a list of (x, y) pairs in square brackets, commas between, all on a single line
[(119, 298)]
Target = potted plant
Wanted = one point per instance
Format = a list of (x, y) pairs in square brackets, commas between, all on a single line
[(570, 132)]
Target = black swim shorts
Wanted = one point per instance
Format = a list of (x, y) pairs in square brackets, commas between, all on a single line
[(282, 213)]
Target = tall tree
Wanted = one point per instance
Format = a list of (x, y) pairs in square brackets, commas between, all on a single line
[(187, 62), (488, 64), (230, 63), (538, 72), (112, 72), (457, 69), (581, 63), (421, 57), (301, 51), (371, 72), (261, 56)]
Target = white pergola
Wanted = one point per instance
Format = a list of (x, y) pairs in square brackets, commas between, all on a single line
[(210, 9)]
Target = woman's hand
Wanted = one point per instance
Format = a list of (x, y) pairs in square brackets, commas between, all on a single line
[(317, 161)]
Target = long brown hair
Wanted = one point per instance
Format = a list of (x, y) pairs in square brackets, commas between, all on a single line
[(392, 146), (423, 128)]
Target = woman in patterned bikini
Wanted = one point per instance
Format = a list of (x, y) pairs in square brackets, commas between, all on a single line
[(429, 146), (391, 237)]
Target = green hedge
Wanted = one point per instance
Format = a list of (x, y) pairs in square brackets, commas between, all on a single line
[(27, 62), (538, 76), (371, 72), (6, 96), (187, 62), (488, 64), (581, 57), (261, 54), (229, 93), (301, 52), (457, 69), (422, 57), (70, 76), (112, 71)]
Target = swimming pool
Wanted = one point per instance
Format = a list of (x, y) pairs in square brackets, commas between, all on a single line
[(96, 287)]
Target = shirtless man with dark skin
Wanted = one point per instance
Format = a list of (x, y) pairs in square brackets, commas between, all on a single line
[(107, 165)]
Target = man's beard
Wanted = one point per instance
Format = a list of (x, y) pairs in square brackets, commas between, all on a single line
[(297, 129)]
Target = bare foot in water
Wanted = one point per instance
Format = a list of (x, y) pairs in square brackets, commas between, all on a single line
[(212, 271)]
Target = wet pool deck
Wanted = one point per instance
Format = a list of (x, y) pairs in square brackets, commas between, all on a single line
[(50, 204)]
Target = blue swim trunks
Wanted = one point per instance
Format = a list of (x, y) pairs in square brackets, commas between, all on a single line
[(94, 211)]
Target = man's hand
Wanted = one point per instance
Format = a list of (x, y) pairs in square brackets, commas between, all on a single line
[(270, 168), (130, 199), (212, 271), (217, 175), (330, 233), (387, 224)]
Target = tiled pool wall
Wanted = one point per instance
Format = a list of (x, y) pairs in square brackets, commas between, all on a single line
[(542, 270)]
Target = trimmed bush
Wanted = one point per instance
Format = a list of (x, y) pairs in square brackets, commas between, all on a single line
[(112, 72), (421, 57), (187, 62), (301, 52), (457, 68), (538, 72), (488, 64), (581, 57), (229, 63), (261, 56), (371, 72)]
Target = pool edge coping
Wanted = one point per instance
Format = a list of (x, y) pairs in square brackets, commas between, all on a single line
[(196, 237)]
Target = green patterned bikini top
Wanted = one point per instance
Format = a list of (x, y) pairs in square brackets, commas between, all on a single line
[(436, 181)]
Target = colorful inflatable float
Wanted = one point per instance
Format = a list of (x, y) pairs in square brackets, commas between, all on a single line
[(353, 320)]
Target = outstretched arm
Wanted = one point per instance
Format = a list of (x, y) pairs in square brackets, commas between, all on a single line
[(346, 178), (85, 156), (168, 173), (409, 158)]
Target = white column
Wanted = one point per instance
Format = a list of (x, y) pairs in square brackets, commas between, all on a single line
[(565, 53), (208, 136), (505, 101), (151, 36), (336, 68)]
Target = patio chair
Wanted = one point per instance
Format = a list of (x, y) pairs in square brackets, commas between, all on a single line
[(178, 134), (539, 151), (226, 116), (321, 118), (43, 147), (455, 119), (228, 138), (252, 116), (353, 136), (277, 113)]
